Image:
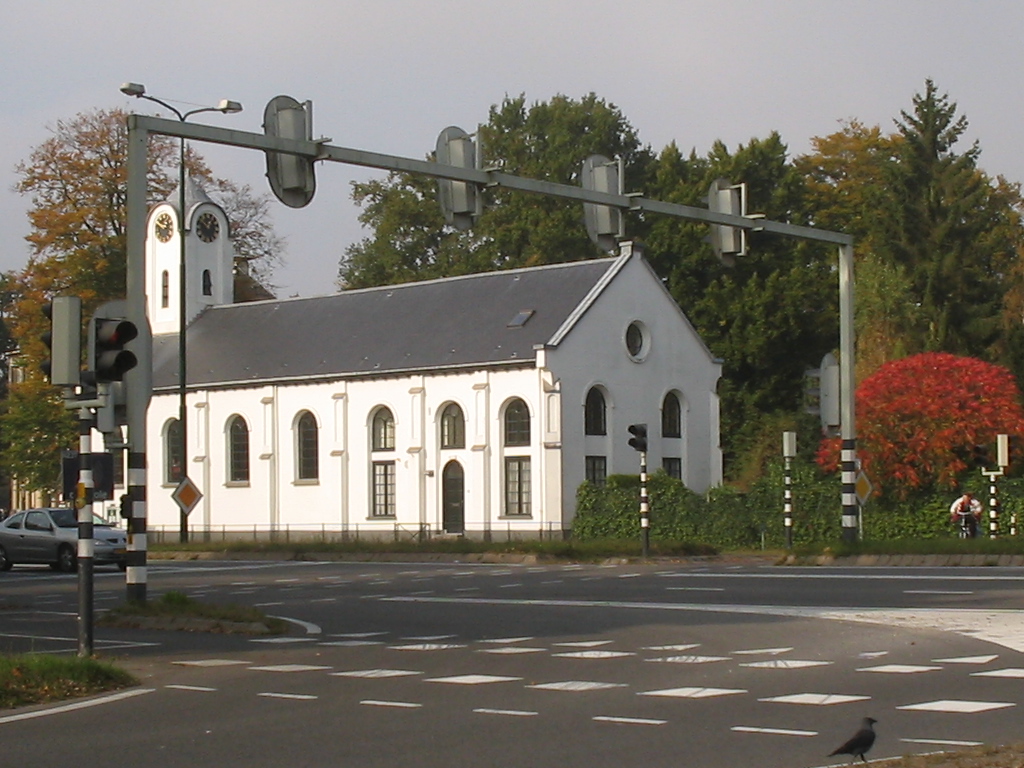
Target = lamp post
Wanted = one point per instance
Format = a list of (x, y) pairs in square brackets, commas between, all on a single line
[(226, 107)]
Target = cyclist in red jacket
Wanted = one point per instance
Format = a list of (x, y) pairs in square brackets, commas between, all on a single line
[(966, 512)]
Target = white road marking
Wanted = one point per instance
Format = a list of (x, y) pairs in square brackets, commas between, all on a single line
[(968, 659), (428, 638), (426, 647), (585, 644), (680, 647), (76, 705), (506, 640), (764, 651), (875, 655), (292, 696), (695, 589), (899, 669), (472, 679), (785, 664), (511, 650), (689, 659), (376, 673), (509, 712), (771, 731), (944, 742), (397, 704), (1008, 672), (937, 592), (351, 643), (290, 668), (200, 688), (593, 654), (281, 640), (1004, 627), (693, 693), (959, 706), (628, 720), (311, 629), (576, 685), (815, 699), (209, 662)]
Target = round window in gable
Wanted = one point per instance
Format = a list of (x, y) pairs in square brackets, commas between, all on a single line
[(637, 340)]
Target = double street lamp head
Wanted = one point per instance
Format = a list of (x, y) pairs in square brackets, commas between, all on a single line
[(138, 90)]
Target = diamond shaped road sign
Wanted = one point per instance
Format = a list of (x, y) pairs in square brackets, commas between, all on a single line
[(863, 488), (186, 495)]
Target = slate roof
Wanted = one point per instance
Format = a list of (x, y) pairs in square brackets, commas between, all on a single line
[(458, 322)]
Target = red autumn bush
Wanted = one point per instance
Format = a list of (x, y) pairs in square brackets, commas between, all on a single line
[(919, 418)]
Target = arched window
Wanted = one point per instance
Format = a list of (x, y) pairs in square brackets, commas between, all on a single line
[(165, 289), (594, 420), (207, 283), (383, 430), (453, 427), (671, 416), (307, 449), (238, 450), (517, 423), (174, 453)]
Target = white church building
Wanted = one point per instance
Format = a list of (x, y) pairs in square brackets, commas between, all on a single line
[(470, 405)]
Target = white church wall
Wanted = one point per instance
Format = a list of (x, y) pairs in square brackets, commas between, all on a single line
[(673, 359), (340, 498)]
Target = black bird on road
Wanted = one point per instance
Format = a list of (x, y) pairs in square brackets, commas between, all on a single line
[(860, 742)]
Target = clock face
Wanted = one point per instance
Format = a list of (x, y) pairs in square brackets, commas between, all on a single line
[(164, 227), (207, 227)]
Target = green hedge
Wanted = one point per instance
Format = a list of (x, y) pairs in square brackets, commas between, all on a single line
[(728, 519)]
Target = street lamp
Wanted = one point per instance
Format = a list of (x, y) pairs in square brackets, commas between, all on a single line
[(227, 107)]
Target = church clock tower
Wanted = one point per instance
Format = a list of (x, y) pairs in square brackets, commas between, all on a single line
[(209, 257)]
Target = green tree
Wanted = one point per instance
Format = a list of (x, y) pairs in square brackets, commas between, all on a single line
[(76, 181), (547, 140), (780, 297)]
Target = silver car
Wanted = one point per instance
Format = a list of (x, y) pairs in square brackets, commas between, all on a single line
[(50, 536)]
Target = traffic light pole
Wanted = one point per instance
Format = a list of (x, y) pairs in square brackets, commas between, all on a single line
[(140, 380), (645, 508), (86, 547)]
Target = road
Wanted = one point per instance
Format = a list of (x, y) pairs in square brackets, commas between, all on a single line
[(448, 664)]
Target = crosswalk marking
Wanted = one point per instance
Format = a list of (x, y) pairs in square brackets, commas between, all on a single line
[(693, 693), (771, 731), (375, 673), (959, 706), (816, 699), (628, 720)]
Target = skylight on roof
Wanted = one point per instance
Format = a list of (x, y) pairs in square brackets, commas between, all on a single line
[(520, 320)]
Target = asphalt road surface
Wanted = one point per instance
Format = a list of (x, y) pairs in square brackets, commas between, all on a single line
[(391, 664)]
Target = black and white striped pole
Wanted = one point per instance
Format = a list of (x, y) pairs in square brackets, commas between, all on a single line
[(638, 442), (788, 454), (86, 546)]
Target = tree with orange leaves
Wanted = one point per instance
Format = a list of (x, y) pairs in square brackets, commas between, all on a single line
[(919, 419)]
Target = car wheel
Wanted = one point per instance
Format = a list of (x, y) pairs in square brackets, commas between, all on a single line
[(5, 561), (67, 561)]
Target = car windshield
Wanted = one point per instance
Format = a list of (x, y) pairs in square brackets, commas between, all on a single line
[(68, 518), (64, 518)]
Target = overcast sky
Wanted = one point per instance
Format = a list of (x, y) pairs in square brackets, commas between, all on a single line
[(388, 75)]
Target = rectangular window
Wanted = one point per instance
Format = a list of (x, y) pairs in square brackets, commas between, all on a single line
[(673, 467), (517, 486), (383, 489), (597, 470)]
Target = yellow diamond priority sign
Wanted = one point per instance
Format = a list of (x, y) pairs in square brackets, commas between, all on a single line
[(186, 495), (863, 488)]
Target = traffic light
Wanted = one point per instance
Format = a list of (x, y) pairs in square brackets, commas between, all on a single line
[(109, 360), (728, 242), (638, 441), (292, 177), (63, 341), (126, 506)]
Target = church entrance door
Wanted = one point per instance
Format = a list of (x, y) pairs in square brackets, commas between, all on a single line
[(453, 493)]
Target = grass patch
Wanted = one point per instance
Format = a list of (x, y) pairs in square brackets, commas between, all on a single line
[(34, 678), (951, 546), (176, 610), (559, 550)]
